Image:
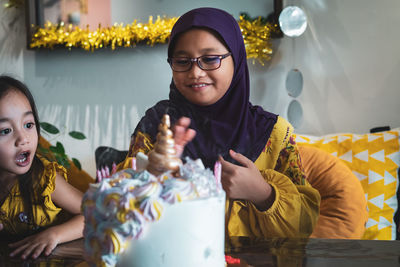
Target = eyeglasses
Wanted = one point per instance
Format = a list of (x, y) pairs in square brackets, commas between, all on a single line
[(207, 62)]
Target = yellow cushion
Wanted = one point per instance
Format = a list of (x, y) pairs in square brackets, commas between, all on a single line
[(343, 210), (77, 178), (374, 159)]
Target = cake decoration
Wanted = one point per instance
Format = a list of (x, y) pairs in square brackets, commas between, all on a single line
[(163, 157), (122, 208)]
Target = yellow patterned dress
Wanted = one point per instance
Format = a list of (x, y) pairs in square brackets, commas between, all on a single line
[(14, 217), (295, 210)]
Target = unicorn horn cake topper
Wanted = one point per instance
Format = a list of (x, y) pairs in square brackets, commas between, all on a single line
[(163, 157)]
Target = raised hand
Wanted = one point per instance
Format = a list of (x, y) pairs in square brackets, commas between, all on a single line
[(245, 182), (182, 134)]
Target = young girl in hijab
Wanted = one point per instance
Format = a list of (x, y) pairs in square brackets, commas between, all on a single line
[(33, 191), (267, 193)]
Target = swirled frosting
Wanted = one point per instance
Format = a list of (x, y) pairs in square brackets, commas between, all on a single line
[(118, 208)]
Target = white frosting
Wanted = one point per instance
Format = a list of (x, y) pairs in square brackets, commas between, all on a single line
[(189, 233), (141, 161)]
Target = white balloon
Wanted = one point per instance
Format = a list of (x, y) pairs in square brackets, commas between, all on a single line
[(293, 21), (294, 83), (295, 113)]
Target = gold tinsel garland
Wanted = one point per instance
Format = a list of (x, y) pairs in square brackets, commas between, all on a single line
[(256, 34), (151, 33), (257, 38)]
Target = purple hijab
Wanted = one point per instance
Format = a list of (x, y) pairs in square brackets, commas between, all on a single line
[(230, 123)]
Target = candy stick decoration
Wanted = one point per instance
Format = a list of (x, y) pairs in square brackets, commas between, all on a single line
[(107, 170), (99, 177), (114, 168), (103, 173), (134, 163), (217, 173)]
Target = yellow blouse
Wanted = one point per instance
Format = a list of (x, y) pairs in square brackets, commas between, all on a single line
[(12, 213), (295, 210)]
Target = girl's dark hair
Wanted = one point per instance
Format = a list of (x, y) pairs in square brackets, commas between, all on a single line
[(28, 186)]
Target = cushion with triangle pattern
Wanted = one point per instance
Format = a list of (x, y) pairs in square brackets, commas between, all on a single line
[(343, 210), (374, 158)]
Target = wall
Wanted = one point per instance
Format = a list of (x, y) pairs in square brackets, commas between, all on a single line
[(348, 57), (350, 61)]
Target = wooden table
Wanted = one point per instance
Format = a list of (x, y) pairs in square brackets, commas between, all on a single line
[(316, 252), (260, 253), (67, 254)]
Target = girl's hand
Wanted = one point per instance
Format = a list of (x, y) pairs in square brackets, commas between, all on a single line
[(182, 134), (245, 182), (34, 245), (68, 198), (1, 226)]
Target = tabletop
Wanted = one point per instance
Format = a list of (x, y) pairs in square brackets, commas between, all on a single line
[(244, 252)]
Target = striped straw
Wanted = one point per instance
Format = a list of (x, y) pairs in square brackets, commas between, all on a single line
[(99, 177), (114, 168), (134, 163), (217, 174)]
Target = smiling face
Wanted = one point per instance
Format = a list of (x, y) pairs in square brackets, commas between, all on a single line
[(202, 87), (18, 134)]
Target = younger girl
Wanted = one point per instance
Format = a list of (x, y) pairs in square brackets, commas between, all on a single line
[(267, 193), (33, 191)]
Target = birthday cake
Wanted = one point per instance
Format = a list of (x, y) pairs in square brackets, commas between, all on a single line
[(159, 213)]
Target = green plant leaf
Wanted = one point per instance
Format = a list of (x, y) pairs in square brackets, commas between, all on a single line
[(66, 164), (58, 149), (63, 160), (77, 163), (50, 128), (54, 150), (58, 159), (77, 135)]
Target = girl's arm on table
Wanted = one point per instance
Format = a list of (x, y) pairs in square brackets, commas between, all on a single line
[(68, 198)]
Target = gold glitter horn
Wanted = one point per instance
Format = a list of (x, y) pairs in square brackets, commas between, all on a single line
[(163, 157)]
